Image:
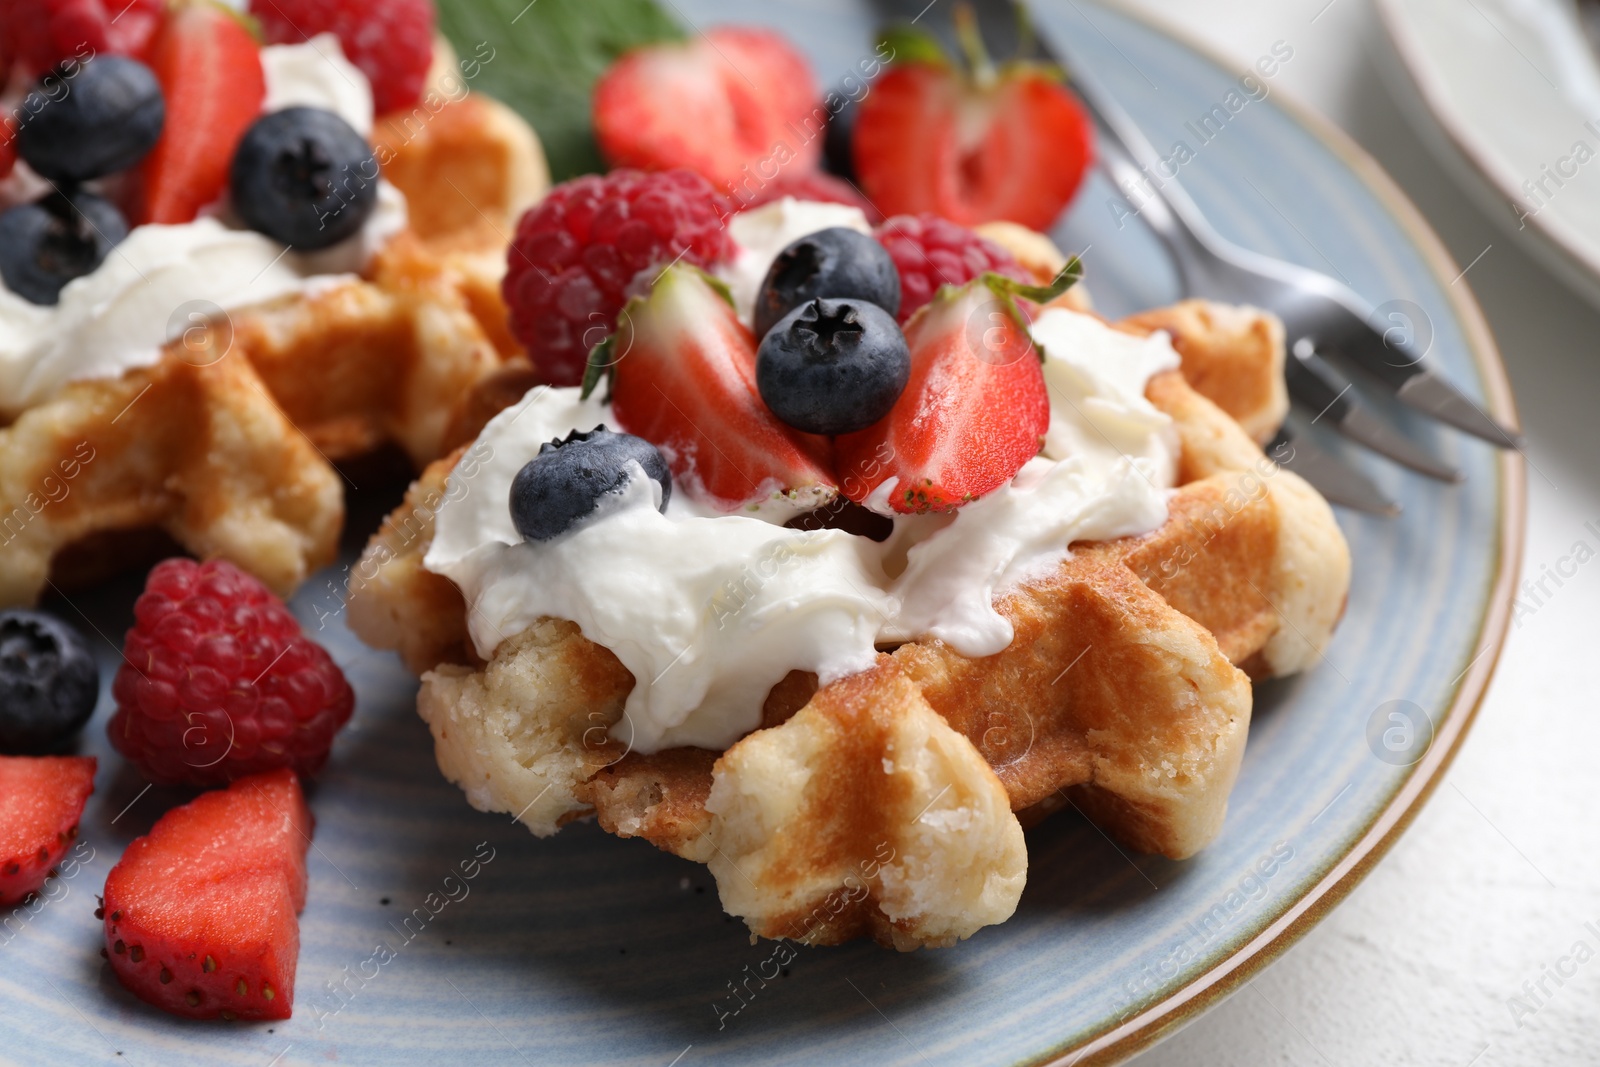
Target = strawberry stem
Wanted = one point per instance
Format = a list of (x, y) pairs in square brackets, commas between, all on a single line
[(971, 40), (1009, 290)]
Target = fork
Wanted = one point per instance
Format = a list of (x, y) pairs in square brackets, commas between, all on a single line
[(1321, 315)]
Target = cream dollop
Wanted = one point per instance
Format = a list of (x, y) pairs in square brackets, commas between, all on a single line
[(708, 612), (762, 232), (153, 284)]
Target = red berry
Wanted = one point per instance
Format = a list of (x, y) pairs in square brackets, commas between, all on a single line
[(218, 681), (685, 380), (975, 410), (8, 143), (738, 105), (41, 800), (200, 914), (811, 185), (931, 252), (42, 33), (390, 40), (210, 71), (575, 255)]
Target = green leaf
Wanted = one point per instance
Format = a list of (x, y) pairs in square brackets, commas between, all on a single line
[(543, 58), (905, 43)]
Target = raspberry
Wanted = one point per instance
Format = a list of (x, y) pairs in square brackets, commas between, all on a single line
[(576, 254), (42, 33), (930, 251), (390, 40), (218, 681), (813, 185)]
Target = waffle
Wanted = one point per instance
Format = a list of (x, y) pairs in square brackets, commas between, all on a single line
[(227, 442), (890, 804)]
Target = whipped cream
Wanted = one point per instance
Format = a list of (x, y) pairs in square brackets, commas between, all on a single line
[(762, 232), (118, 318), (708, 612)]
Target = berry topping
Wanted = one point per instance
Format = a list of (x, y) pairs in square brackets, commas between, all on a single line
[(200, 914), (577, 253), (41, 800), (683, 376), (219, 682), (836, 262), (975, 409), (566, 481), (931, 252), (209, 67), (46, 244), (304, 177), (808, 185), (974, 145), (833, 366), (48, 682), (737, 105), (46, 32), (99, 120), (390, 40)]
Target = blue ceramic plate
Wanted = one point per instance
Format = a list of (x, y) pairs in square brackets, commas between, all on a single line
[(585, 949)]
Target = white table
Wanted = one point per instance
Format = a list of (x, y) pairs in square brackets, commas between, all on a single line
[(1492, 886)]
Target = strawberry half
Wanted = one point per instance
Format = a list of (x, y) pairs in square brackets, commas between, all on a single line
[(982, 145), (200, 914), (975, 408), (737, 105), (209, 67), (683, 377), (41, 800)]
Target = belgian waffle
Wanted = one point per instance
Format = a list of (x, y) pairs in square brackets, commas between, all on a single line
[(891, 803), (227, 442)]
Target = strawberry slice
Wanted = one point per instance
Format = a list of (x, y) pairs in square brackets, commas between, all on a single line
[(683, 377), (209, 67), (41, 800), (975, 409), (8, 140), (737, 105), (200, 914), (987, 144)]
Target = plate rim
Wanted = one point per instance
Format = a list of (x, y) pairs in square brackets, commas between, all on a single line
[(1379, 833), (1578, 266)]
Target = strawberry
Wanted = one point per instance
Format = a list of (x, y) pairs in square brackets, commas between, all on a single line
[(974, 410), (41, 800), (683, 377), (209, 67), (737, 105), (974, 146), (8, 142), (200, 914)]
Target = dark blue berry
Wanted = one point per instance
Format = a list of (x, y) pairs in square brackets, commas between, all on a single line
[(48, 683), (836, 263), (303, 176), (46, 244), (89, 120), (833, 366), (563, 484)]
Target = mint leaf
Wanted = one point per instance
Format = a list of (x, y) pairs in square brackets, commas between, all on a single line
[(545, 63)]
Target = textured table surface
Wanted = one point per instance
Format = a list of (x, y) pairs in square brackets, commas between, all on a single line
[(1452, 951)]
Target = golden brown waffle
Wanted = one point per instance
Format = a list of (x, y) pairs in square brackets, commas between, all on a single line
[(890, 804), (230, 450)]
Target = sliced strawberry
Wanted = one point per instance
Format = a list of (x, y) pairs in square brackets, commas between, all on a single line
[(1008, 143), (210, 70), (737, 105), (41, 800), (200, 914), (8, 143), (684, 378), (975, 409)]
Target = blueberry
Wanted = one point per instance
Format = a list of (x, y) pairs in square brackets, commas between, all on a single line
[(563, 484), (836, 263), (48, 683), (46, 244), (833, 366), (303, 176), (89, 120)]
